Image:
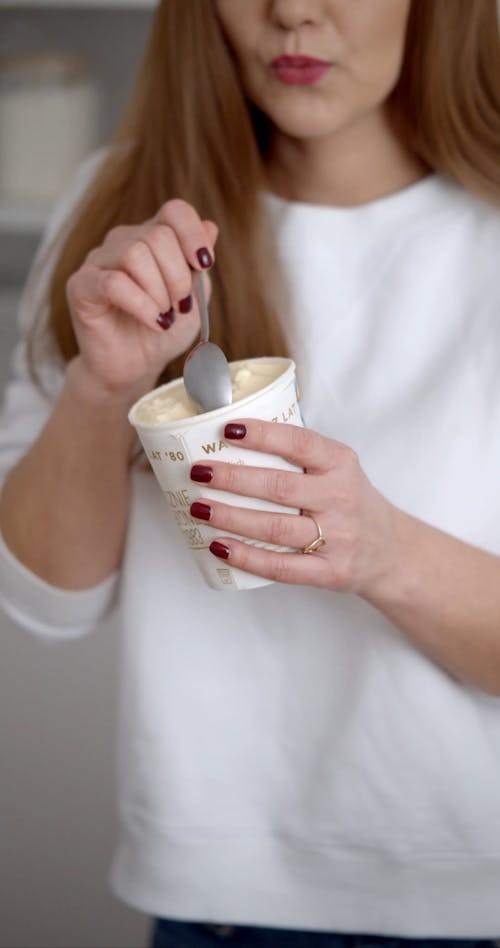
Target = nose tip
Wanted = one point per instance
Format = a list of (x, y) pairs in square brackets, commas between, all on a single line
[(292, 14)]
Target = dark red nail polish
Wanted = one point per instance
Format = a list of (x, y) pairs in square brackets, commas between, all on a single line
[(186, 305), (204, 258), (235, 431), (201, 511), (166, 320), (220, 550), (201, 473)]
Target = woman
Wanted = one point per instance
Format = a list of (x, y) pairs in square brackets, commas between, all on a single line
[(319, 762)]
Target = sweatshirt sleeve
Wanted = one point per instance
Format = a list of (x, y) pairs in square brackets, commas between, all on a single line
[(35, 605)]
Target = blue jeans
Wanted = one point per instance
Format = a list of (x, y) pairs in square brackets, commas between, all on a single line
[(169, 934)]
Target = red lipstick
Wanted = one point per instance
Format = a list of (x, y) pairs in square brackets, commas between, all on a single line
[(299, 70)]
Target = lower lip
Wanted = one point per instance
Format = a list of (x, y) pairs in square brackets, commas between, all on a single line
[(300, 75)]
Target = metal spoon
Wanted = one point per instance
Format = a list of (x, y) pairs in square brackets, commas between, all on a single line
[(207, 379)]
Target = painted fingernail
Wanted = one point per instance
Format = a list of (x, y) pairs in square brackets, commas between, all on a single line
[(204, 258), (166, 320), (218, 549), (186, 305), (201, 473), (201, 511), (235, 431)]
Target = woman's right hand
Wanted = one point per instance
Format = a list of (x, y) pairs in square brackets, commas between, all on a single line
[(130, 299)]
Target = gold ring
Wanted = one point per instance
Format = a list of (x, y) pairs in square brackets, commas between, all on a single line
[(319, 541)]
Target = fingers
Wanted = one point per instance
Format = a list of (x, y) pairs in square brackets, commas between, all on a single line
[(298, 568), (300, 446), (196, 238), (146, 270), (281, 487), (304, 448), (157, 265), (280, 530), (93, 290), (121, 292), (157, 262), (287, 530)]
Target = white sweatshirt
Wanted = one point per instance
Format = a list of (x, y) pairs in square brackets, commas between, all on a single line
[(287, 757)]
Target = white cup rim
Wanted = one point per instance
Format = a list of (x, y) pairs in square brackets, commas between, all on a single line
[(180, 424)]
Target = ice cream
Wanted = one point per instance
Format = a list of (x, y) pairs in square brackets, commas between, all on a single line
[(173, 403)]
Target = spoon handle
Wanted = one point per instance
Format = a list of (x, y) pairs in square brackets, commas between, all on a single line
[(201, 299)]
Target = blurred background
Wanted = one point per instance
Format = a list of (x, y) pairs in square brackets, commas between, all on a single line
[(66, 68)]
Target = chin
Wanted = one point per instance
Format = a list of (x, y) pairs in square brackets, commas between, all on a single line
[(306, 119), (308, 127)]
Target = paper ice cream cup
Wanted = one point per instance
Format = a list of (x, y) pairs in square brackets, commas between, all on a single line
[(173, 445)]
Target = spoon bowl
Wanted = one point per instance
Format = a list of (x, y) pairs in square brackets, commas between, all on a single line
[(206, 374)]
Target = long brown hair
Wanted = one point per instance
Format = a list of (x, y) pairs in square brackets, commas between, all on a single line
[(188, 132), (448, 93)]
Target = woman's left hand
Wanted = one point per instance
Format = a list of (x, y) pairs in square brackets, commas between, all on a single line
[(358, 524)]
